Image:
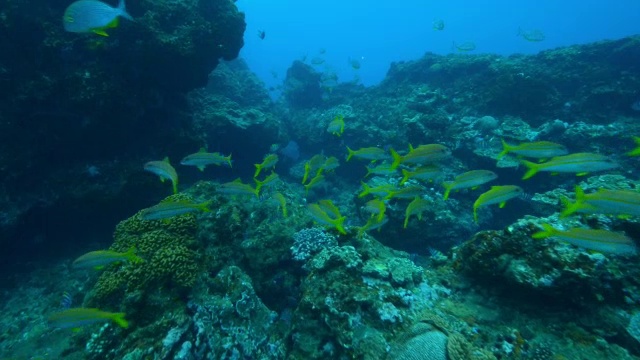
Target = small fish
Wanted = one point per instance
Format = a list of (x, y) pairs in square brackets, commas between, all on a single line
[(379, 191), (382, 169), (598, 240), (368, 153), (169, 209), (261, 34), (66, 300), (533, 35), (375, 207), (609, 202), (330, 208), (317, 180), (331, 163), (281, 201), (85, 16), (579, 163), (538, 149), (636, 151), (269, 162), (438, 24), (407, 192), (203, 158), (164, 170), (470, 179), (465, 46), (237, 187), (320, 216), (100, 258), (416, 207), (423, 154), (270, 180), (336, 126), (497, 195), (317, 61), (355, 64), (315, 164), (372, 224), (77, 317), (425, 173)]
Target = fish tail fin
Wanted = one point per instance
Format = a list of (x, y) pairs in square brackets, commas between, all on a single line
[(339, 225), (205, 206), (350, 153), (447, 186), (406, 221), (405, 176), (366, 191), (175, 186), (228, 159), (123, 10), (131, 256), (505, 149), (636, 151), (397, 158), (579, 194), (258, 185), (569, 207), (119, 319), (547, 232), (533, 169), (258, 169)]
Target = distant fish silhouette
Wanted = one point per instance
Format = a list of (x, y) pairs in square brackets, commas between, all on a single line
[(261, 34)]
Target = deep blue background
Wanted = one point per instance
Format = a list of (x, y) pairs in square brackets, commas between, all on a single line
[(379, 32)]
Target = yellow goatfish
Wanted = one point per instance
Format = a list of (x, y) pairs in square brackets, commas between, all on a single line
[(321, 217), (538, 149), (100, 258), (598, 240), (77, 317), (579, 163), (164, 170), (470, 179), (608, 202), (497, 195)]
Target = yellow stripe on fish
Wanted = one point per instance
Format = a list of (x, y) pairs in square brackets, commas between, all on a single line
[(579, 163), (164, 170), (608, 202), (598, 240), (497, 195), (469, 179)]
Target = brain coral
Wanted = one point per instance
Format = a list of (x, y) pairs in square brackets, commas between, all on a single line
[(168, 252)]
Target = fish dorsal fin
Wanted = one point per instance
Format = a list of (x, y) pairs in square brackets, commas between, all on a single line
[(166, 159), (202, 150)]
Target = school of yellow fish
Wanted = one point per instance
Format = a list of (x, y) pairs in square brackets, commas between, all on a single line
[(417, 164)]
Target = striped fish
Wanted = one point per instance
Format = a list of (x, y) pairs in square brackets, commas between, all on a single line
[(599, 240), (164, 170), (169, 209), (579, 163), (77, 317), (497, 195), (609, 202)]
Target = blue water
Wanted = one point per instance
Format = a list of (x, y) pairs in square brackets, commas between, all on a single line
[(379, 32)]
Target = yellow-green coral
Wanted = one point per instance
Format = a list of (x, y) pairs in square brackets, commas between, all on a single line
[(167, 250)]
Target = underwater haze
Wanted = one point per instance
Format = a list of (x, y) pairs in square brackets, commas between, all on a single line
[(378, 33), (306, 180)]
